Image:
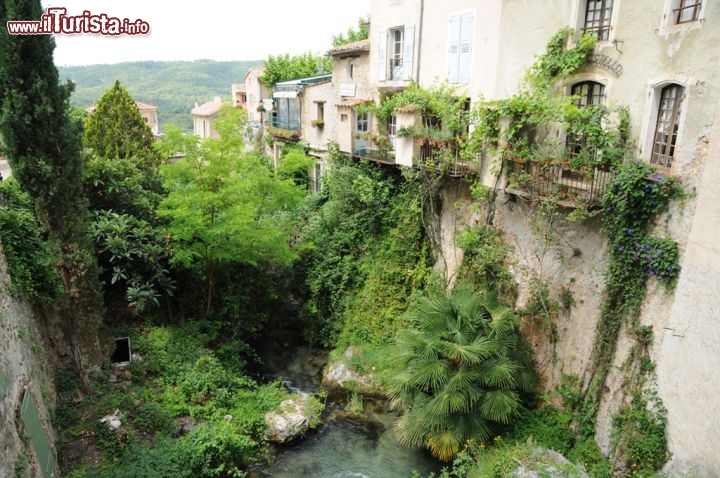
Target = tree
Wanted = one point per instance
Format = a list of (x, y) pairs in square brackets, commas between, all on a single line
[(353, 35), (284, 67), (115, 129), (225, 206), (43, 147), (459, 372)]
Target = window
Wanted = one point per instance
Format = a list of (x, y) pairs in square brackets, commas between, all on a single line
[(362, 123), (687, 11), (351, 67), (666, 126), (395, 54), (320, 113), (392, 125), (598, 14), (460, 37), (588, 93)]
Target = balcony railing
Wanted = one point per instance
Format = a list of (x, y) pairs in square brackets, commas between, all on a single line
[(568, 187), (284, 123), (445, 157)]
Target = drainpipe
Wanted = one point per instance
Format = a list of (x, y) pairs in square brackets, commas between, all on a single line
[(419, 42)]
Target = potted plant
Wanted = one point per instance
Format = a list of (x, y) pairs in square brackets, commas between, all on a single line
[(317, 123)]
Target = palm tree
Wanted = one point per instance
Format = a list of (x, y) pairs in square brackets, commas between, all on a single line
[(459, 373)]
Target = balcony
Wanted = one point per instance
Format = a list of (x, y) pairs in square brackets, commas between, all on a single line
[(285, 123), (444, 156), (376, 148), (580, 187)]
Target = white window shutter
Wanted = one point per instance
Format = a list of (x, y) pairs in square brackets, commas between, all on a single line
[(382, 56), (408, 45), (454, 48), (466, 46)]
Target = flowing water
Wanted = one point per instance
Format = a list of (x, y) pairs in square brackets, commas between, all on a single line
[(342, 450), (344, 446)]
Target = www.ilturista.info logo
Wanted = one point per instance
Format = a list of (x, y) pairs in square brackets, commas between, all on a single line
[(57, 21)]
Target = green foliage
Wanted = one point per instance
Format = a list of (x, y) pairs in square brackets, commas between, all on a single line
[(641, 431), (459, 375), (486, 260), (151, 417), (28, 255), (21, 467), (635, 196), (547, 427), (115, 129), (173, 86), (222, 409), (125, 186), (295, 164), (558, 62), (133, 255), (285, 67), (353, 35), (217, 451), (224, 206), (364, 252)]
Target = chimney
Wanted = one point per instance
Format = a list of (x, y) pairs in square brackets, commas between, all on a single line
[(217, 99)]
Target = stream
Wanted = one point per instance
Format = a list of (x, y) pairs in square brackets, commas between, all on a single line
[(346, 445)]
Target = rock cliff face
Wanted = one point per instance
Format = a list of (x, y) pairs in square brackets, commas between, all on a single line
[(26, 390), (686, 343)]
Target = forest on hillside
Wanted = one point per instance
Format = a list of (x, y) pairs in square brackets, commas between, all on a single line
[(173, 86)]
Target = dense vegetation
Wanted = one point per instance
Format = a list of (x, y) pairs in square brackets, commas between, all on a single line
[(202, 257), (173, 86)]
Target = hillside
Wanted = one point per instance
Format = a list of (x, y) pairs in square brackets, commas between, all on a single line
[(173, 86)]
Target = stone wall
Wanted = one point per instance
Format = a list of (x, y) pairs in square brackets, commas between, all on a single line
[(24, 370)]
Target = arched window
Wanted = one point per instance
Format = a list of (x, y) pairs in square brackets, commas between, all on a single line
[(588, 93), (667, 125)]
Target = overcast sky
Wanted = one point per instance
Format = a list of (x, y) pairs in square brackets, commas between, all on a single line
[(208, 29)]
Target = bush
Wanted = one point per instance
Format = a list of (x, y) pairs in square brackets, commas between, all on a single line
[(153, 418), (217, 450)]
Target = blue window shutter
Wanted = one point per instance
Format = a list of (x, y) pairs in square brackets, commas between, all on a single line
[(408, 45)]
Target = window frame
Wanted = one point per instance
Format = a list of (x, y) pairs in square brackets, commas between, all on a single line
[(663, 150), (395, 52), (578, 19), (362, 119), (602, 30), (677, 12)]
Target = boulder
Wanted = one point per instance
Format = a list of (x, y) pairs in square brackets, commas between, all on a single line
[(338, 374), (295, 417)]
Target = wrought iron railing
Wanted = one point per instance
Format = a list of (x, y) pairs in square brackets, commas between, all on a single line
[(571, 187)]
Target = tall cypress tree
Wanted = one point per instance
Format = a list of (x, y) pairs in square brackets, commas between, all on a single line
[(43, 146)]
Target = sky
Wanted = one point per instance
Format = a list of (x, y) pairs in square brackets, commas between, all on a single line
[(208, 29)]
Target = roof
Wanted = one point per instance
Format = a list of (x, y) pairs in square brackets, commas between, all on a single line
[(145, 106), (141, 107), (207, 109), (353, 102), (354, 47)]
